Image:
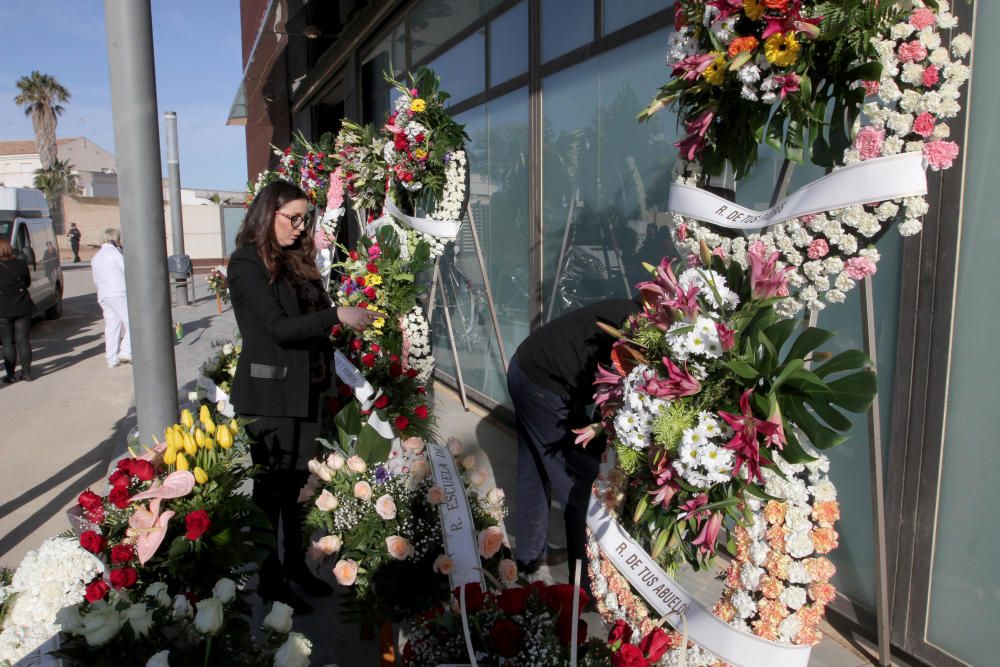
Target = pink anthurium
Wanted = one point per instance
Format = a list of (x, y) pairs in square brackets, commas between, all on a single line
[(175, 485), (148, 527)]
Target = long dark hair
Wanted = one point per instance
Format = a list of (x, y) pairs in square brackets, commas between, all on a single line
[(296, 262)]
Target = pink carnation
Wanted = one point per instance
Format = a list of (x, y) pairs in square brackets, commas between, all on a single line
[(931, 76), (869, 142), (321, 240), (941, 154), (818, 249), (912, 52), (924, 124), (871, 87), (859, 267), (923, 18)]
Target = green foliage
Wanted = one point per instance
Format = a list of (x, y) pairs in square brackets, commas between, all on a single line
[(629, 460), (669, 425)]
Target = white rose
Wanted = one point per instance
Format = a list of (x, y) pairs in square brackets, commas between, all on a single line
[(335, 461), (140, 618), (385, 507), (356, 464), (227, 349), (495, 497), (100, 626), (193, 396), (159, 660), (182, 608), (326, 501), (329, 544), (224, 590), (294, 652), (209, 617), (279, 619), (320, 469), (158, 592)]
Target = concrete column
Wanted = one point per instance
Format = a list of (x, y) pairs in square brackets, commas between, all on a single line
[(176, 209)]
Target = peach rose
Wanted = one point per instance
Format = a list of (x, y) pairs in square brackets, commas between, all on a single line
[(489, 541), (346, 572), (356, 464), (507, 571), (329, 544), (335, 461), (327, 501), (319, 469), (443, 564), (456, 446), (414, 444), (478, 477), (362, 490), (435, 495), (385, 507), (495, 497), (309, 490), (398, 547), (420, 470), (469, 462)]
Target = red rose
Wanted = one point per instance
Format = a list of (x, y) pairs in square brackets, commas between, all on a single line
[(402, 422), (400, 142), (143, 470), (371, 267), (92, 542), (125, 465), (90, 501), (118, 497), (655, 644), (422, 391), (375, 348), (622, 632), (560, 596), (420, 411), (96, 590), (514, 600), (370, 293), (411, 373), (344, 390), (332, 404), (368, 360), (122, 553), (354, 255), (393, 358), (197, 523), (419, 138), (356, 344), (381, 402), (630, 655), (118, 479), (363, 304), (505, 638), (95, 515), (407, 176), (564, 629), (124, 577), (335, 331), (360, 281), (474, 598), (395, 370)]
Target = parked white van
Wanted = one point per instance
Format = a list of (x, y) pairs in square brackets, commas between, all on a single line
[(25, 222)]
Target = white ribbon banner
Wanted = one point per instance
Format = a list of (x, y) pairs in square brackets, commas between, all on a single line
[(214, 394), (442, 229), (882, 179), (667, 597), (457, 529), (363, 391)]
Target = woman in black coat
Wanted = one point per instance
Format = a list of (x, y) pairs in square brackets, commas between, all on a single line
[(284, 315), (16, 309)]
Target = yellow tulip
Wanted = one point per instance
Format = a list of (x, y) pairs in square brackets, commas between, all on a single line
[(200, 475), (169, 436), (209, 443), (170, 456), (187, 419), (224, 437), (209, 426), (189, 444), (234, 427), (182, 462), (199, 437), (204, 414)]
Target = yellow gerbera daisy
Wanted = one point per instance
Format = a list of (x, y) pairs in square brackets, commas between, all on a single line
[(754, 9), (418, 105), (782, 49), (373, 279), (379, 323), (716, 72)]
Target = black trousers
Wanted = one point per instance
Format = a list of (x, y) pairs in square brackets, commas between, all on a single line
[(16, 335), (75, 247)]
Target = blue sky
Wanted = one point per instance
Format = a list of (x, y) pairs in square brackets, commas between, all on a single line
[(198, 69)]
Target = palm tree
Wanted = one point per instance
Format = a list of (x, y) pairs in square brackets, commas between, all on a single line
[(41, 95), (57, 178)]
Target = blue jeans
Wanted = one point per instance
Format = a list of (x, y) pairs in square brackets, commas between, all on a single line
[(549, 468)]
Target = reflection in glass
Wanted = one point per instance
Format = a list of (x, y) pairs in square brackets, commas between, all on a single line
[(462, 68), (509, 44), (498, 158), (434, 22), (606, 176), (566, 25), (376, 93), (964, 611), (620, 14)]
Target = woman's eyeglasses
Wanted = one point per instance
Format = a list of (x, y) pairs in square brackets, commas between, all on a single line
[(298, 221)]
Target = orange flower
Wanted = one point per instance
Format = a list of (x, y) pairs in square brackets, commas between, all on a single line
[(777, 5), (777, 564), (772, 611), (765, 630), (776, 538), (825, 540), (822, 593), (771, 587), (820, 569), (741, 44), (724, 610), (826, 512), (808, 637), (774, 512)]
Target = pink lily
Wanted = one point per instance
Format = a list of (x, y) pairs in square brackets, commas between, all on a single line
[(679, 383), (586, 434), (693, 66), (664, 483), (744, 443), (148, 527), (777, 440), (694, 142), (690, 508), (709, 534), (726, 7), (765, 280), (666, 290), (609, 391), (788, 83), (726, 336)]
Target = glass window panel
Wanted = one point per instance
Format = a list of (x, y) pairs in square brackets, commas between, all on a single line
[(617, 170), (964, 610), (462, 68), (434, 22), (566, 25), (376, 93), (621, 13), (509, 44), (498, 158)]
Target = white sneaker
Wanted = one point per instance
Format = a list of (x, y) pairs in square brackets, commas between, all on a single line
[(116, 364), (124, 359)]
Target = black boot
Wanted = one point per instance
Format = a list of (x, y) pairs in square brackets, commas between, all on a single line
[(273, 587)]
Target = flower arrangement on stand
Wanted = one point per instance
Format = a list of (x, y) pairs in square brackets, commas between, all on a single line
[(903, 68), (215, 382), (711, 410), (378, 528), (218, 285)]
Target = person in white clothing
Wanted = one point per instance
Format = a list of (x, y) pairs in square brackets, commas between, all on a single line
[(108, 266)]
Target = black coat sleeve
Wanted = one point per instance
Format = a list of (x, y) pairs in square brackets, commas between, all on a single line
[(23, 272), (249, 289)]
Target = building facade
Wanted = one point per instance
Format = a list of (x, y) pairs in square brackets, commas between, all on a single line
[(569, 195), (93, 166)]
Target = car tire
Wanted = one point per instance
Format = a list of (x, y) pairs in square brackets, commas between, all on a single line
[(55, 311)]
